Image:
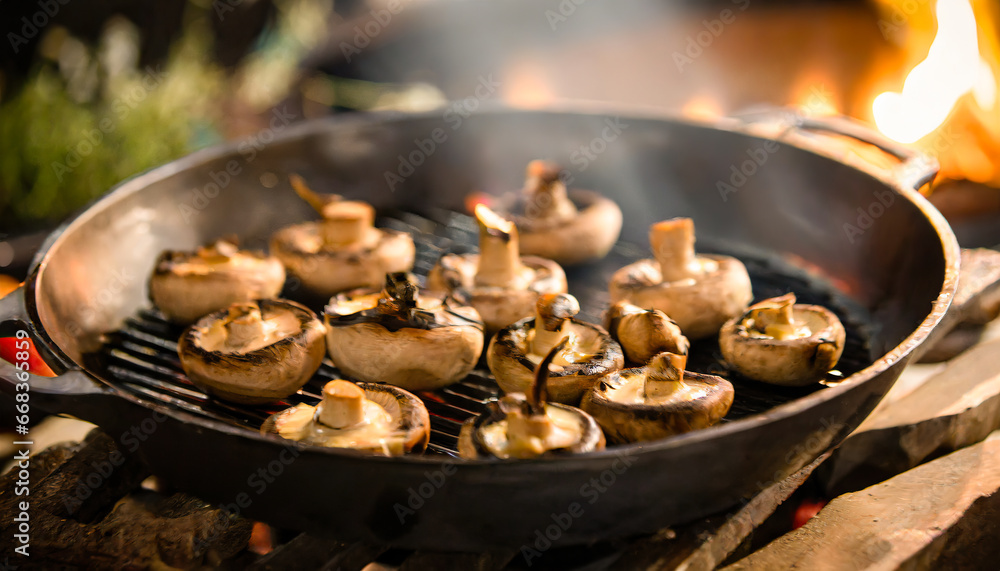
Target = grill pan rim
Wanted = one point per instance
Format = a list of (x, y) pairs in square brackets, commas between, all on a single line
[(949, 244)]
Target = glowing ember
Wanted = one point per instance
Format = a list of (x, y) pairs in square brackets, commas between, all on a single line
[(953, 67)]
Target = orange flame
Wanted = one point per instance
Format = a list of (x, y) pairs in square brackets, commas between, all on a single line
[(948, 102)]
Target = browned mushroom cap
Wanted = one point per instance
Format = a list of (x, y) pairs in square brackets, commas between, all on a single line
[(643, 333), (699, 292), (519, 426), (342, 251), (187, 286), (656, 401), (780, 342), (500, 283), (569, 227), (401, 336), (253, 352), (372, 418), (589, 354)]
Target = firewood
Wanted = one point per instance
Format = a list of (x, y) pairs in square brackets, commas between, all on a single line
[(952, 409), (942, 515)]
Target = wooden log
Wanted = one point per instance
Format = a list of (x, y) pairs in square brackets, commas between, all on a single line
[(139, 530), (955, 408), (706, 544), (941, 515)]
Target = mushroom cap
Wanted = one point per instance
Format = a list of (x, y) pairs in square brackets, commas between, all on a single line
[(441, 349), (790, 362), (508, 360), (498, 307), (589, 235), (699, 306), (409, 418), (186, 287), (629, 421), (643, 333), (326, 270), (472, 446), (262, 375)]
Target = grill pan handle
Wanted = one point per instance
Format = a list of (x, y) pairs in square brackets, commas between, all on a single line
[(915, 170), (64, 392)]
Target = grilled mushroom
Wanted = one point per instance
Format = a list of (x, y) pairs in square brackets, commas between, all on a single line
[(700, 292), (780, 342), (500, 283), (643, 333), (342, 251), (253, 352), (374, 418), (657, 400), (186, 286), (569, 227), (588, 355), (418, 342), (516, 426)]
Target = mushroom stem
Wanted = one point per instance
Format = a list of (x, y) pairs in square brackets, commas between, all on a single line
[(344, 221), (552, 313), (546, 193), (499, 253), (672, 242), (318, 201), (784, 314), (245, 325), (664, 375), (399, 296), (529, 426), (343, 405), (538, 396)]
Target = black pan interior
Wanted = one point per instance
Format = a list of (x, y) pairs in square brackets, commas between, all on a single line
[(141, 356)]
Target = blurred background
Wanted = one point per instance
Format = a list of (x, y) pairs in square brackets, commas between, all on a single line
[(94, 91)]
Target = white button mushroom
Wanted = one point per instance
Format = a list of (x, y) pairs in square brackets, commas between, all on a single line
[(500, 283), (657, 400), (569, 227), (519, 426), (780, 342), (253, 352), (372, 418), (588, 355), (643, 333), (413, 340), (342, 251), (186, 286), (699, 292)]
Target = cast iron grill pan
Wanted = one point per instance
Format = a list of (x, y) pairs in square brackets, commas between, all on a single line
[(142, 358)]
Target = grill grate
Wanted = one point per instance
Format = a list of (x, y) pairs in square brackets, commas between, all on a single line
[(142, 355)]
